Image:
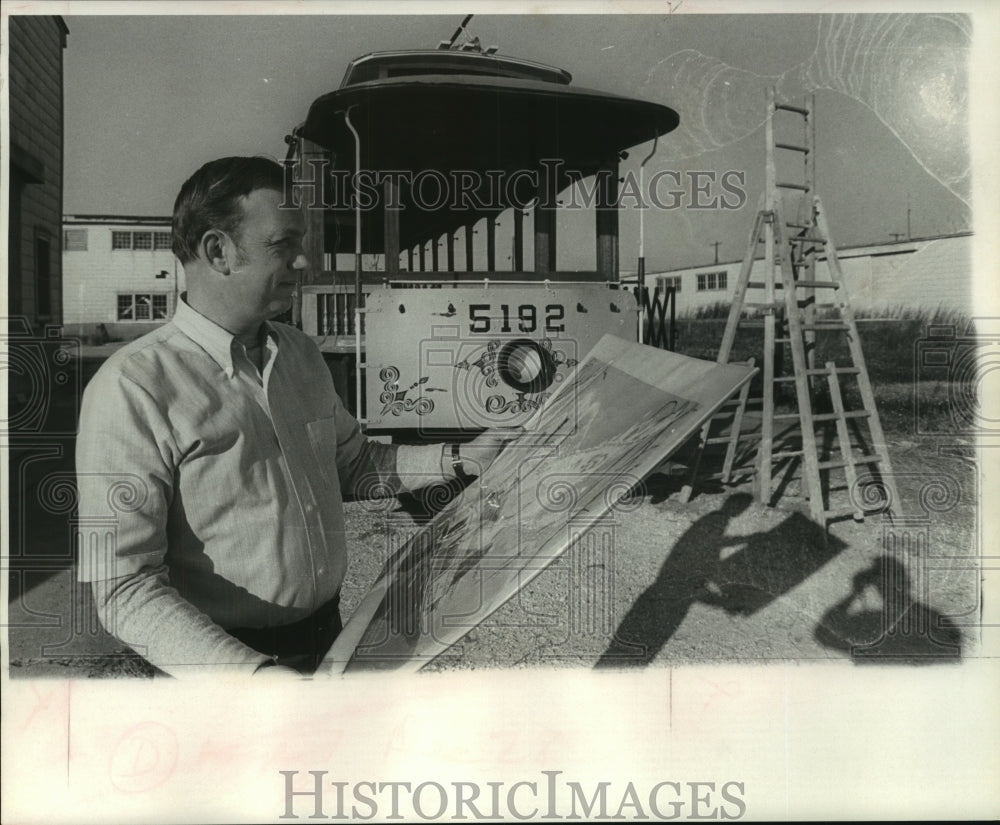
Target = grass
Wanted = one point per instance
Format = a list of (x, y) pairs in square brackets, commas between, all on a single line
[(912, 397)]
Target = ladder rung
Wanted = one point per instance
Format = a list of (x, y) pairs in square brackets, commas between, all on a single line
[(785, 416), (806, 239), (786, 454), (782, 340), (784, 378), (818, 284), (722, 439), (751, 324), (826, 326), (791, 146), (788, 107), (799, 225), (838, 370), (786, 185), (857, 462), (835, 416), (765, 304)]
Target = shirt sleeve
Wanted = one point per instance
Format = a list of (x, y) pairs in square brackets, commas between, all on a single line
[(151, 617), (124, 460), (369, 469)]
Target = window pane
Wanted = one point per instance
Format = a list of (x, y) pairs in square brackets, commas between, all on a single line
[(121, 240), (125, 312), (142, 240), (143, 308), (722, 280), (75, 240), (159, 307), (161, 240)]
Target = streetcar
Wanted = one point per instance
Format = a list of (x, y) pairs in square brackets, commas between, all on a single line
[(408, 166)]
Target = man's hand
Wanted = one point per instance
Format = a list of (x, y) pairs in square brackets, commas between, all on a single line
[(477, 455), (272, 670)]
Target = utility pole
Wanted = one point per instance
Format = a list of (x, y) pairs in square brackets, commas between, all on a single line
[(716, 245)]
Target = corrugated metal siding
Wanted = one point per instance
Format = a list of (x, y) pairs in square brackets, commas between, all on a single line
[(36, 127)]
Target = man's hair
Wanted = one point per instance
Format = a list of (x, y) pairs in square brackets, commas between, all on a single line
[(209, 199)]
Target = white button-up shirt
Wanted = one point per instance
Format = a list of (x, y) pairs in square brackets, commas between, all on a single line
[(210, 494)]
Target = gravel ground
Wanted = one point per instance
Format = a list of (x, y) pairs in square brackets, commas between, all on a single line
[(725, 579), (719, 579)]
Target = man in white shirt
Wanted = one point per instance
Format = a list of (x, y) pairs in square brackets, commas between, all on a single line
[(218, 445)]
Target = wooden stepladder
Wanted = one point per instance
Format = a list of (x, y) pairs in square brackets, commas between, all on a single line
[(784, 304)]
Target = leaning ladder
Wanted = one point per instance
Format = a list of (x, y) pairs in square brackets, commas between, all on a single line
[(793, 320)]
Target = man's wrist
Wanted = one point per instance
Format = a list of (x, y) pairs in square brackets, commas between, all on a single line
[(457, 465)]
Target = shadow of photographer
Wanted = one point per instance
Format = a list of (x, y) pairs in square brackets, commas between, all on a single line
[(740, 574), (879, 622)]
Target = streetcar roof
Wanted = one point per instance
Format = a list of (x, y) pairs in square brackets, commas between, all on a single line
[(471, 113)]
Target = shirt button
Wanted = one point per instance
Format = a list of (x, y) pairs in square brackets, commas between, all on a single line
[(321, 570)]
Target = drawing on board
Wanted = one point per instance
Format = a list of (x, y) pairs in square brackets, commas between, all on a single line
[(625, 409)]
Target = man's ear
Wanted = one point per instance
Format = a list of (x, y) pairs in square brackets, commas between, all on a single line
[(213, 249)]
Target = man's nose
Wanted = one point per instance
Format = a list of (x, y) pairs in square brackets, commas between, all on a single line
[(300, 262)]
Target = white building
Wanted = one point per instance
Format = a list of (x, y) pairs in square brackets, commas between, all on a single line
[(922, 273), (120, 279)]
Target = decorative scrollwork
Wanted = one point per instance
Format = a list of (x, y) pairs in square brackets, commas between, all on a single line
[(395, 400), (625, 493), (559, 496), (127, 495), (498, 405), (940, 494), (58, 494)]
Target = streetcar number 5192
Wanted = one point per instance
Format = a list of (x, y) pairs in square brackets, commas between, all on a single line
[(483, 319)]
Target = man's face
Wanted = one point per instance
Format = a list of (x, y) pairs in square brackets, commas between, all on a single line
[(270, 260)]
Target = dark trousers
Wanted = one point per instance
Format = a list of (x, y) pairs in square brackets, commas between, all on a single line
[(301, 645)]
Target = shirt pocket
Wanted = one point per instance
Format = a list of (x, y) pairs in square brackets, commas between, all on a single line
[(322, 434)]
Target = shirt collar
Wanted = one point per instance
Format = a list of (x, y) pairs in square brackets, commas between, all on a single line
[(212, 338)]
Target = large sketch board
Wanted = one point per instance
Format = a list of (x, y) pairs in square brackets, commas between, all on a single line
[(626, 408)]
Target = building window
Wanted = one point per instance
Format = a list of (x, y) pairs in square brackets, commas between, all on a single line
[(75, 240), (143, 306), (126, 307), (140, 240), (712, 280), (670, 282)]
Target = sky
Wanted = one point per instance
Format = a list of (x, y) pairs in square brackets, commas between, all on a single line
[(149, 99)]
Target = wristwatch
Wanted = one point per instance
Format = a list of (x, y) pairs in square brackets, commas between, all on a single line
[(457, 466)]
